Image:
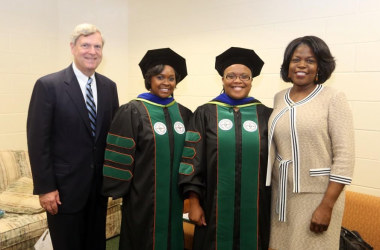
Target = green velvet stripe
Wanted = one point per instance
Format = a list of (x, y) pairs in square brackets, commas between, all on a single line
[(162, 178), (117, 173), (117, 157), (249, 179), (185, 168), (192, 136), (177, 241), (120, 141), (167, 201), (188, 152), (225, 178)]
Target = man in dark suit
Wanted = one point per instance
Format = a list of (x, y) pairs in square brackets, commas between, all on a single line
[(70, 113)]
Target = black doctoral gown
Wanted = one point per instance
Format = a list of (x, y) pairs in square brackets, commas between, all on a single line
[(142, 157), (224, 161)]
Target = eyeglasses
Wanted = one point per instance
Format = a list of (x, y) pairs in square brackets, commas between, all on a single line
[(243, 77)]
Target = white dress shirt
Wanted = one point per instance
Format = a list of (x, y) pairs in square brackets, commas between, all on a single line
[(82, 79)]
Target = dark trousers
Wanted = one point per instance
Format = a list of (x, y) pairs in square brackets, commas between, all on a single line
[(84, 230)]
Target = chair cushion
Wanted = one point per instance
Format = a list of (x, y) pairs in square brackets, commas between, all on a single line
[(19, 198), (113, 221), (361, 213), (21, 231)]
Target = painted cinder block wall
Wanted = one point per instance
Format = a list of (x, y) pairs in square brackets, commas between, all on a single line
[(34, 41)]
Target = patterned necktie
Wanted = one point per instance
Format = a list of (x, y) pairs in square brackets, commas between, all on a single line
[(90, 103)]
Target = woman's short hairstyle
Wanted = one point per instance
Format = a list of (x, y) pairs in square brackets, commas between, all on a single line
[(153, 71), (84, 29), (325, 61)]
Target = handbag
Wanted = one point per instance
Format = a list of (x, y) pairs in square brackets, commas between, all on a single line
[(44, 242), (351, 240)]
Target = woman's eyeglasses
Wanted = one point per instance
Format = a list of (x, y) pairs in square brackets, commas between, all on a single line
[(243, 77)]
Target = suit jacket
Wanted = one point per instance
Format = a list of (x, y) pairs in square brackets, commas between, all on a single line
[(62, 152)]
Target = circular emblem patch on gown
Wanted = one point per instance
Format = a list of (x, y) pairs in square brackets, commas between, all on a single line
[(225, 124), (179, 127), (160, 128), (250, 126)]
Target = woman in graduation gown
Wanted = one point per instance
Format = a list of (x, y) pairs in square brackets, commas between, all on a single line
[(224, 161), (143, 154)]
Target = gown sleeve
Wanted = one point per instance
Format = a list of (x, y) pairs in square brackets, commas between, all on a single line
[(192, 170), (120, 151), (186, 115)]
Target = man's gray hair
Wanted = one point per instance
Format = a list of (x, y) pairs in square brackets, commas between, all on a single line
[(84, 29)]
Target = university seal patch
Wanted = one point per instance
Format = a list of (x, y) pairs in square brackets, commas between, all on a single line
[(179, 128), (160, 128), (250, 126), (225, 124)]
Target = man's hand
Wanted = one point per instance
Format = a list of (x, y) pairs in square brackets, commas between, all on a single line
[(50, 202)]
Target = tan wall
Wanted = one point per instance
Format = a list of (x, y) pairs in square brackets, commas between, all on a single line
[(34, 38), (34, 41)]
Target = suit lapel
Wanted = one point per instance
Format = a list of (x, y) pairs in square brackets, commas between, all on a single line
[(76, 95), (101, 89)]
